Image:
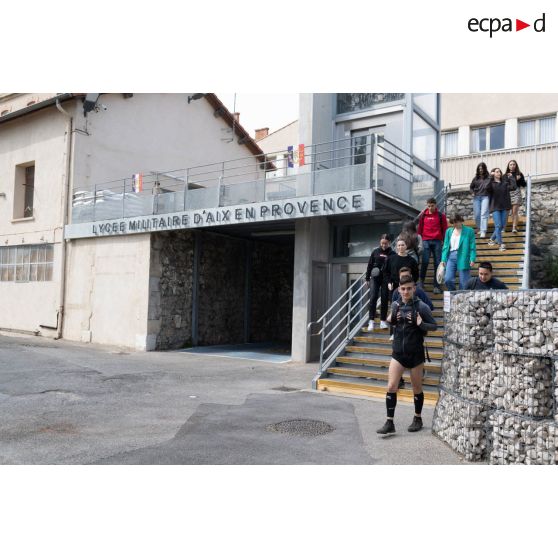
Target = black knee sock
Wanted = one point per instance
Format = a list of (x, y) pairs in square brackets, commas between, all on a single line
[(419, 401), (391, 402)]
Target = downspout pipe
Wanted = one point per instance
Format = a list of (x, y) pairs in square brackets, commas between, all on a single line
[(65, 220)]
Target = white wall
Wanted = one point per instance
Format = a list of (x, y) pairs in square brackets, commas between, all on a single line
[(38, 137), (149, 132), (108, 290)]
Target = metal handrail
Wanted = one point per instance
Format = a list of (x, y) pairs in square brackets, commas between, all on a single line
[(527, 257), (340, 322)]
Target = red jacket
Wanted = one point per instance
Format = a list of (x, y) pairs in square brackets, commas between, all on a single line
[(432, 226)]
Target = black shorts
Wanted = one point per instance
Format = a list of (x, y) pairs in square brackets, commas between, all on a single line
[(409, 361)]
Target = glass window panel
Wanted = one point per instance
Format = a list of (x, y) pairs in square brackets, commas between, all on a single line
[(353, 102), (428, 102), (19, 273), (424, 187), (547, 129), (424, 141), (359, 148), (49, 253), (33, 272), (478, 140), (40, 272), (11, 273), (48, 272), (35, 254), (497, 137), (26, 254), (527, 133), (4, 276), (11, 255), (449, 144)]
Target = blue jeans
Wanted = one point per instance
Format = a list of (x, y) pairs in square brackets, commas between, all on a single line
[(500, 218), (451, 268), (481, 212), (434, 246)]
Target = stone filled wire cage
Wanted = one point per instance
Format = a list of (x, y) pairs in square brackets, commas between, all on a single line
[(500, 366)]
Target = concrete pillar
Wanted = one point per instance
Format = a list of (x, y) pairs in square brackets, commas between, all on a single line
[(464, 140), (311, 245), (511, 133)]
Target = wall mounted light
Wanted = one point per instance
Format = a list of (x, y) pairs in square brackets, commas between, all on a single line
[(195, 97)]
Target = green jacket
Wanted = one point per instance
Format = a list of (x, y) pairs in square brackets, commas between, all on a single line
[(467, 251)]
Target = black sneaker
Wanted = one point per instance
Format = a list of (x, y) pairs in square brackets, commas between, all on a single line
[(387, 429), (416, 425), (401, 383)]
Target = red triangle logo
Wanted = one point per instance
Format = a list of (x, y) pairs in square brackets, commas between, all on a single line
[(519, 25)]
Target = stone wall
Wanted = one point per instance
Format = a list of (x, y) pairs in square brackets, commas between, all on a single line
[(170, 289), (222, 290), (272, 292), (544, 221), (498, 388)]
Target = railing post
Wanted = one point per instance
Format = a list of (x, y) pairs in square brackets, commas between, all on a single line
[(322, 343), (527, 262), (265, 178), (94, 202), (349, 310), (124, 198), (185, 187), (375, 163)]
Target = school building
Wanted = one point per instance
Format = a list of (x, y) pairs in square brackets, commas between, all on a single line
[(154, 221)]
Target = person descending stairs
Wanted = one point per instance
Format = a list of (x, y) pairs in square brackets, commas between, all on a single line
[(362, 367)]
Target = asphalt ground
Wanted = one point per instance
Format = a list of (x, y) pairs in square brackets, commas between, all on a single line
[(72, 403)]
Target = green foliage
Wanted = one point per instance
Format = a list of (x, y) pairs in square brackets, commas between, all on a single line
[(551, 270)]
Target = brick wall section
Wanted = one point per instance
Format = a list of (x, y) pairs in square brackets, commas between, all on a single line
[(544, 223), (272, 292)]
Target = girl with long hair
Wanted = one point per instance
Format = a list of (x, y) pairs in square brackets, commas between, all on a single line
[(500, 204), (515, 180), (480, 187)]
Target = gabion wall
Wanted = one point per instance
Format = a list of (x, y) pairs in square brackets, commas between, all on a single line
[(499, 385)]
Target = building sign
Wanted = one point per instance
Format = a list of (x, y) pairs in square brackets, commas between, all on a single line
[(340, 203), (300, 154)]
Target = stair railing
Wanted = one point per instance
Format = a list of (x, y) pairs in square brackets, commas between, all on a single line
[(527, 257), (340, 323)]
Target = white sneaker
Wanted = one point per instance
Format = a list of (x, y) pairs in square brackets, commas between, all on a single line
[(391, 338), (371, 325), (502, 247), (483, 235), (384, 325)]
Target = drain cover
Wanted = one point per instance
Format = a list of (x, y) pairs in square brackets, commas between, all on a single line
[(301, 427)]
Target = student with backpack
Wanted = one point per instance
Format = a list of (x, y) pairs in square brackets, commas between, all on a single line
[(412, 319), (377, 278), (432, 226)]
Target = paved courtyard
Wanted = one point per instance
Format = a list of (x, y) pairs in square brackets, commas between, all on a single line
[(66, 403)]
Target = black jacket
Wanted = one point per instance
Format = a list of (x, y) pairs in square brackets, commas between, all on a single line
[(378, 259), (475, 284), (481, 186), (515, 181), (396, 262), (500, 197), (408, 337)]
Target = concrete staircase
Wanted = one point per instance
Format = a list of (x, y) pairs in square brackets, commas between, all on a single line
[(362, 367)]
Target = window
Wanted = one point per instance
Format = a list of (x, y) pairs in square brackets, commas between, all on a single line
[(24, 191), (424, 187), (26, 263), (424, 141), (428, 102), (487, 138), (449, 144), (537, 131), (353, 102)]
